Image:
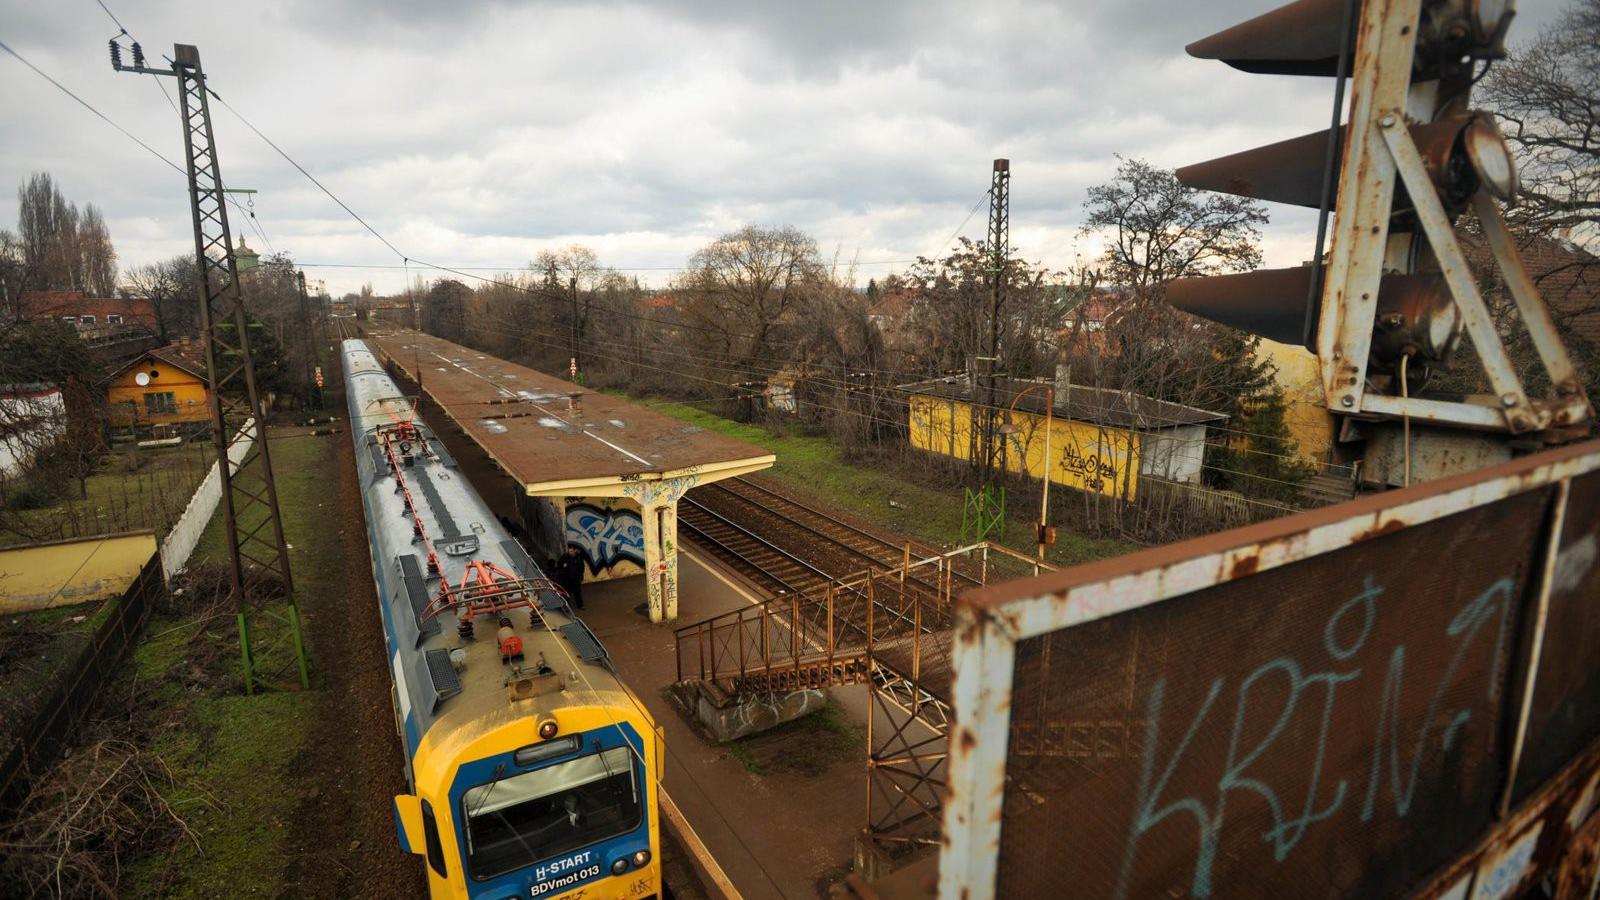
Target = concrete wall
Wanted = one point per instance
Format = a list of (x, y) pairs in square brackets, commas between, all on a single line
[(1175, 454), (62, 573), (185, 534), (1084, 457), (1311, 427)]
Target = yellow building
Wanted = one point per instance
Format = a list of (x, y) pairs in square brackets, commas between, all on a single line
[(165, 386), (1311, 428), (1100, 441)]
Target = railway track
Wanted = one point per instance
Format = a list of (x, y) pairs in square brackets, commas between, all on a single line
[(786, 546)]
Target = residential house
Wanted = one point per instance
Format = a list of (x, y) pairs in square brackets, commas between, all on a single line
[(165, 386)]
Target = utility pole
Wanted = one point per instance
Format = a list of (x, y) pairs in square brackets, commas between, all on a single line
[(308, 340), (999, 249), (257, 550), (572, 286)]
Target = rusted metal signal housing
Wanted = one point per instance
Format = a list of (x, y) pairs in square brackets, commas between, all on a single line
[(1304, 38), (1411, 159)]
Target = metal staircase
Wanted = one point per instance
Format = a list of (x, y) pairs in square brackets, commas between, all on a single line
[(889, 629)]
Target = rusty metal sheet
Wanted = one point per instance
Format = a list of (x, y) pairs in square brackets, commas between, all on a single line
[(544, 430), (1333, 727), (1565, 714)]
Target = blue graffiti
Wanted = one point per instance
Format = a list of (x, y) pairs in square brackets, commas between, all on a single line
[(605, 537), (1345, 634)]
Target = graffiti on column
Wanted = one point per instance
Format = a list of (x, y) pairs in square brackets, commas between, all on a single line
[(651, 496), (605, 537)]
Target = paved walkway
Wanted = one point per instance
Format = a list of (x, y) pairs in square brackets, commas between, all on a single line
[(775, 835)]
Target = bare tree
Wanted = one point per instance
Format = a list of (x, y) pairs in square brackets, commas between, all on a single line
[(169, 285), (1158, 229), (1547, 94), (741, 289), (96, 259)]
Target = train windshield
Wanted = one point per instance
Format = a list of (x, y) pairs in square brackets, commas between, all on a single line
[(519, 820)]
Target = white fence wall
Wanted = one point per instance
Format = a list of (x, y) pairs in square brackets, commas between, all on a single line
[(180, 542)]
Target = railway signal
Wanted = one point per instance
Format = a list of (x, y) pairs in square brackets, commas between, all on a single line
[(1395, 294)]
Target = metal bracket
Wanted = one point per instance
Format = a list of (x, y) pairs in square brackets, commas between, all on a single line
[(1518, 413)]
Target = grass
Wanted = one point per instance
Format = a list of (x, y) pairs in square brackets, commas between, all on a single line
[(816, 465), (232, 754), (133, 489), (809, 745), (37, 649)]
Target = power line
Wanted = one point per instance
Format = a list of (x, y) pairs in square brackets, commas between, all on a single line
[(526, 267), (557, 341), (302, 170), (752, 370), (108, 120)]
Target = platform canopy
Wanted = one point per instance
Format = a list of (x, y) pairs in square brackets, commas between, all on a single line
[(557, 438)]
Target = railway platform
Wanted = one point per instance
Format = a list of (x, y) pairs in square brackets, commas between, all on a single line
[(591, 469), (765, 844)]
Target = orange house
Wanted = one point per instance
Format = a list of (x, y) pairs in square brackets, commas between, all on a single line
[(165, 386)]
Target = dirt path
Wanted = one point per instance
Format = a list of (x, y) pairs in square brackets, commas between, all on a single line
[(346, 843)]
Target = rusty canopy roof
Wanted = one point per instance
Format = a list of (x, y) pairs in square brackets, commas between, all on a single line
[(558, 438)]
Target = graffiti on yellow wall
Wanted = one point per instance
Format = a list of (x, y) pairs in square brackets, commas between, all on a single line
[(1083, 456)]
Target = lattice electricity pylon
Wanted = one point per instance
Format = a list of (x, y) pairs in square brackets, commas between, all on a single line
[(257, 551), (999, 241)]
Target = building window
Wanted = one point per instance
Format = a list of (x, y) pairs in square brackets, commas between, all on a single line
[(160, 404), (86, 320), (113, 319), (71, 320)]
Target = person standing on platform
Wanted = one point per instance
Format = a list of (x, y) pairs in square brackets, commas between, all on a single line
[(569, 574)]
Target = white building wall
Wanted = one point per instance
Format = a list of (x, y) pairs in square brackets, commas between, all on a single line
[(1175, 454), (49, 412)]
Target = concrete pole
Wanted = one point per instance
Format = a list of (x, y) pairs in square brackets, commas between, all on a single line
[(660, 520)]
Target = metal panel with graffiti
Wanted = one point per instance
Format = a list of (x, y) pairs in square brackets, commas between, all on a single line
[(1395, 696)]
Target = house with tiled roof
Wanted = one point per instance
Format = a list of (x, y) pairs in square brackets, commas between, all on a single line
[(162, 387)]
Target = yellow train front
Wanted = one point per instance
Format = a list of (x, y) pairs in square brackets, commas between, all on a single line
[(533, 769)]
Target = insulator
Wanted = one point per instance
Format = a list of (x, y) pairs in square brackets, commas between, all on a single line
[(464, 629), (416, 531), (116, 55), (138, 56), (433, 567)]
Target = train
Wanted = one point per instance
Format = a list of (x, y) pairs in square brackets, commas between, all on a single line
[(533, 770)]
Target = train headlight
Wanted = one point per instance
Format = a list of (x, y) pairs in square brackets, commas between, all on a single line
[(620, 866), (641, 858), (548, 729)]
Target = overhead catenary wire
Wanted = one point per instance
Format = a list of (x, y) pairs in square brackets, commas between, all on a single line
[(751, 371), (109, 121), (406, 259), (558, 342)]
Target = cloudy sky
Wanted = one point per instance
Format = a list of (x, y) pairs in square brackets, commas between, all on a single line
[(475, 133)]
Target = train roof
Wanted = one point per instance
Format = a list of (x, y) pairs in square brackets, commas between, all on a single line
[(475, 685)]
